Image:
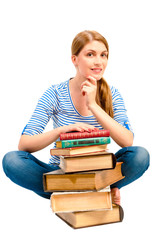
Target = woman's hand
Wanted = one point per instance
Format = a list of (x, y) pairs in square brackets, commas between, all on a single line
[(80, 127), (39, 141), (89, 89)]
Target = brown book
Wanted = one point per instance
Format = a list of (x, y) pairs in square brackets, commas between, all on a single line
[(81, 201), (78, 150), (92, 218), (103, 160), (81, 181)]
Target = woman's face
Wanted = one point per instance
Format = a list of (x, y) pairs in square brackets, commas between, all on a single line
[(92, 60)]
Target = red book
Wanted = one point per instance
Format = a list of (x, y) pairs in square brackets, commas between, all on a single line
[(79, 135)]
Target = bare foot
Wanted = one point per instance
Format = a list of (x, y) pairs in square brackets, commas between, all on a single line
[(116, 198)]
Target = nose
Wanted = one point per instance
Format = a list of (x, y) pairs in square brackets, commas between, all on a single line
[(97, 61)]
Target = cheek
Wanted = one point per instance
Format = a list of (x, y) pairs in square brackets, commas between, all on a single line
[(83, 65), (105, 64)]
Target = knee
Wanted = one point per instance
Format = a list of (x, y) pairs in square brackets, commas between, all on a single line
[(141, 158), (10, 162)]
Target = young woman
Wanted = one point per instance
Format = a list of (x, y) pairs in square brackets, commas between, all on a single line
[(82, 103)]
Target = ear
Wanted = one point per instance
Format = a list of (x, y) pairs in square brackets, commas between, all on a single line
[(74, 60)]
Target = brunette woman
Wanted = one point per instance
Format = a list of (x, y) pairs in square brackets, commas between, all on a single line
[(82, 103)]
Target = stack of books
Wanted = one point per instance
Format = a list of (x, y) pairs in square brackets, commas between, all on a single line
[(80, 189)]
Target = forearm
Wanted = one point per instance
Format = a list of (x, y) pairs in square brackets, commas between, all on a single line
[(122, 136), (37, 142)]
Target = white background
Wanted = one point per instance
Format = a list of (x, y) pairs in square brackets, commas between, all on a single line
[(34, 53)]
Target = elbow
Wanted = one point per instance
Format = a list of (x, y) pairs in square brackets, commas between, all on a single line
[(22, 145), (128, 142), (23, 148)]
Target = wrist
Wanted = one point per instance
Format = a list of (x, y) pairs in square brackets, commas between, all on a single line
[(60, 130), (94, 106)]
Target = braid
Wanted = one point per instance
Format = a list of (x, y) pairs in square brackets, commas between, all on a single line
[(104, 97)]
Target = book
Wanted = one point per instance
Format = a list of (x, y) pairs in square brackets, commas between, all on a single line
[(81, 201), (83, 219), (78, 135), (81, 181), (78, 150), (82, 142), (95, 161)]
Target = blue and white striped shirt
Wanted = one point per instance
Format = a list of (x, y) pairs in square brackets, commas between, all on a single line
[(56, 104)]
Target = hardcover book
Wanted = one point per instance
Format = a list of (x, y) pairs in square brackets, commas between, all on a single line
[(81, 181), (97, 161), (92, 218), (78, 135), (78, 150), (81, 201), (82, 142)]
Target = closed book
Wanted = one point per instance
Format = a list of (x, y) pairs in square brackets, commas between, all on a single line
[(81, 181), (82, 142), (78, 150), (81, 201), (78, 135), (83, 219), (96, 161)]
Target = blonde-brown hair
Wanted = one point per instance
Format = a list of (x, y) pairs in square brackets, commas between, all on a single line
[(103, 96)]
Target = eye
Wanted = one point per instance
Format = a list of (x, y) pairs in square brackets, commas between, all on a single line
[(104, 55), (90, 54)]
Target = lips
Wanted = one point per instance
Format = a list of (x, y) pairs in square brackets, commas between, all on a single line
[(96, 70)]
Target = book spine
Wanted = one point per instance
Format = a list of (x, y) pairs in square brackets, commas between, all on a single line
[(84, 142), (79, 135), (121, 213)]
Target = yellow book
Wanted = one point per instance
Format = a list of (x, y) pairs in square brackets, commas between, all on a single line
[(81, 181), (81, 201), (87, 162), (92, 218)]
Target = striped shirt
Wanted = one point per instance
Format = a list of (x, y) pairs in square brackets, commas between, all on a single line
[(56, 104)]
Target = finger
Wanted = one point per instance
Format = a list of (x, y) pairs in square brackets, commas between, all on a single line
[(85, 124), (84, 90), (87, 127), (86, 83), (92, 80)]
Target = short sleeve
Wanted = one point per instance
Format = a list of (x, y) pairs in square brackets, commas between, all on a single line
[(119, 110), (46, 106)]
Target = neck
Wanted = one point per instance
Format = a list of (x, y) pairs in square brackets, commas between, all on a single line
[(76, 82)]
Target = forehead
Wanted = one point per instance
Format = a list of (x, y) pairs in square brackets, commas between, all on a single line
[(95, 46)]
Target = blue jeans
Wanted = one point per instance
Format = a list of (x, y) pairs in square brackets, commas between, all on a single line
[(27, 171)]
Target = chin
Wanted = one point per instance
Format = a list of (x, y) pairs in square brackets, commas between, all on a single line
[(98, 77)]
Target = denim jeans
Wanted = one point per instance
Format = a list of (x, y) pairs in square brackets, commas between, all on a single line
[(27, 171)]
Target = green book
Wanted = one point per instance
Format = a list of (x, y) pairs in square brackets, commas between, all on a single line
[(82, 142)]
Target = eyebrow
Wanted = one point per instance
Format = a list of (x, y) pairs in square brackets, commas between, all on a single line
[(91, 50)]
